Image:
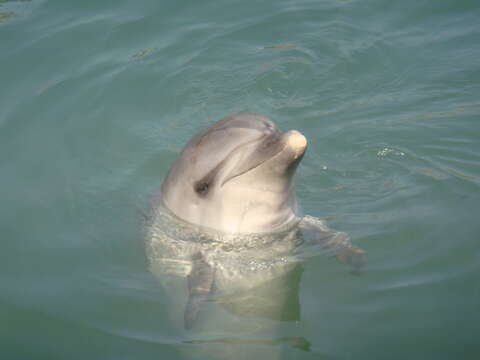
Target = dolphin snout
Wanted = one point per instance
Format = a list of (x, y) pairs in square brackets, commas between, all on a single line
[(296, 141)]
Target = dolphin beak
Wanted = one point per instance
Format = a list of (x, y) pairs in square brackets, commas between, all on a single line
[(282, 152), (296, 142)]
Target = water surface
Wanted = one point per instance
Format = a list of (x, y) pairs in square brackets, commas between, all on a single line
[(98, 97)]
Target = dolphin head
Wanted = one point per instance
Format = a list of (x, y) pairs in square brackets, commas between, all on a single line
[(236, 176)]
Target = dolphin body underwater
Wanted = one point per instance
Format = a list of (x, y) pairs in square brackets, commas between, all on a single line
[(227, 221)]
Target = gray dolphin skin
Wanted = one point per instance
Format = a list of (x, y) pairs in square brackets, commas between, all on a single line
[(227, 222), (236, 176)]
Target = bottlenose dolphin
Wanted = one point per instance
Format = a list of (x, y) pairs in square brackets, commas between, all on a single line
[(227, 220)]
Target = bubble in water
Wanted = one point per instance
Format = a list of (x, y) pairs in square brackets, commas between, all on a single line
[(388, 151)]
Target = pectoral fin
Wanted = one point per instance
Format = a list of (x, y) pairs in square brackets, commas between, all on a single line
[(316, 231), (200, 283)]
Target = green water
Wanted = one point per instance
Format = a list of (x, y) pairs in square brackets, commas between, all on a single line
[(98, 97)]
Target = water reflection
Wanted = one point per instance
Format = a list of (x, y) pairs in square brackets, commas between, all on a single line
[(294, 341)]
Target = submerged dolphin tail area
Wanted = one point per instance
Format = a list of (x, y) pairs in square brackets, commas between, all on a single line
[(200, 283)]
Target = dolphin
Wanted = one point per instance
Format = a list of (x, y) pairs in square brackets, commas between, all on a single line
[(227, 218)]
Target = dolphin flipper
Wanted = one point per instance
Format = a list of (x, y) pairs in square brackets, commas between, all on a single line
[(200, 283), (316, 231)]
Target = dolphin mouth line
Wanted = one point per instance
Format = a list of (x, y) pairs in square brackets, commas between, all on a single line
[(250, 169), (270, 150), (285, 145)]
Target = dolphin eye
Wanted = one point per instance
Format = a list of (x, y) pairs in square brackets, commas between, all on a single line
[(201, 187)]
